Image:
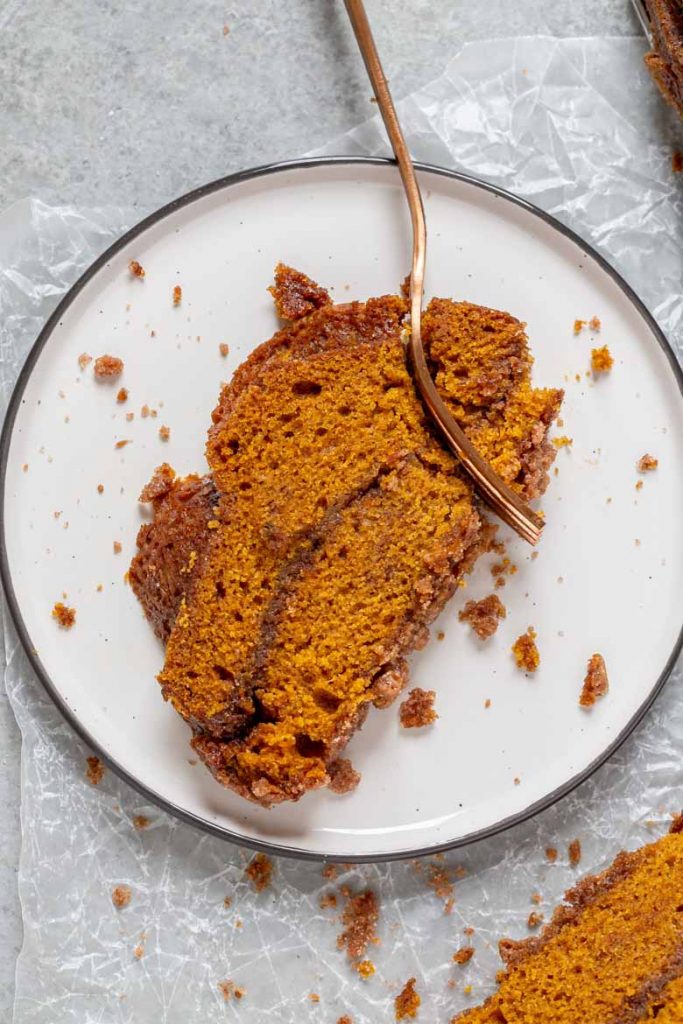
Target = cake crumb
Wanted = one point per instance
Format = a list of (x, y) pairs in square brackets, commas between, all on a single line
[(487, 703), (108, 367), (525, 651), (417, 710), (594, 323), (121, 896), (84, 360), (229, 990), (463, 955), (534, 919), (141, 822), (551, 854), (164, 433), (65, 616), (484, 616), (677, 161), (646, 463), (536, 898), (100, 488), (345, 1019), (95, 771), (343, 776), (574, 852), (117, 547), (122, 395), (224, 349), (517, 780), (314, 997), (601, 360), (440, 882), (359, 918), (226, 30), (596, 683), (407, 1002), (259, 871), (130, 416), (144, 412), (327, 900), (99, 588), (579, 326), (563, 442), (331, 872), (366, 969), (227, 901), (177, 295), (676, 825), (639, 485), (136, 268), (121, 444)]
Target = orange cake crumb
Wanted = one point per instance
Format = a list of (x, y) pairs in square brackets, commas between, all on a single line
[(366, 969), (439, 880), (136, 268), (407, 1002), (64, 616), (646, 463), (345, 1019), (95, 770), (596, 683), (122, 395), (343, 776), (601, 360), (417, 710), (331, 872), (551, 854), (314, 997), (121, 896), (525, 651), (141, 822), (122, 444), (463, 955), (259, 871), (677, 161), (164, 433), (563, 442), (594, 323), (536, 898), (579, 326), (108, 367), (144, 412), (224, 349), (160, 484), (359, 918), (100, 488), (575, 852), (534, 919), (84, 360), (117, 547), (177, 295), (327, 900), (484, 616), (229, 990)]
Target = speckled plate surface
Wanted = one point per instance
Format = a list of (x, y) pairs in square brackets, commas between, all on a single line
[(609, 571)]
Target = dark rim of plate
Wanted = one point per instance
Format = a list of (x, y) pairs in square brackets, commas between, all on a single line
[(44, 677)]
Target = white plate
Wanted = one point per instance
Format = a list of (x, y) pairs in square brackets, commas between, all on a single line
[(610, 569)]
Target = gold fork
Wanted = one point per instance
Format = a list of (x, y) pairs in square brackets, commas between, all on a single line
[(501, 498)]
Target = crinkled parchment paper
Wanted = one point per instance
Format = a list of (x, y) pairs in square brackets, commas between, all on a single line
[(576, 127)]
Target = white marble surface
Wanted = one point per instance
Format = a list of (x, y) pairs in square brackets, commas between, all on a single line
[(103, 104)]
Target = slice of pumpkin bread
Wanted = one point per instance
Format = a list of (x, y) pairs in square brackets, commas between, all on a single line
[(341, 528)]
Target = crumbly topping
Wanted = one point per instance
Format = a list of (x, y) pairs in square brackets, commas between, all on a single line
[(160, 484), (343, 776), (484, 616), (259, 871), (295, 294), (407, 1002), (108, 367), (525, 651), (417, 710), (64, 616), (121, 896), (596, 683)]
